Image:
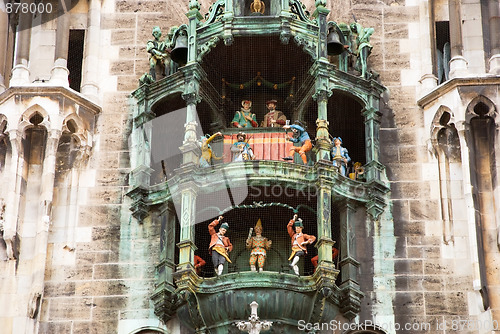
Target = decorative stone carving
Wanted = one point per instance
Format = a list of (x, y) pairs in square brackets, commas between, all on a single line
[(34, 304)]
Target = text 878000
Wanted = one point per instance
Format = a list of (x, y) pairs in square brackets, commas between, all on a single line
[(27, 7)]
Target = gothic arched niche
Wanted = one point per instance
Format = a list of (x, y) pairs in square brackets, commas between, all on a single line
[(347, 121), (34, 142), (166, 134), (255, 69), (149, 330), (447, 138), (5, 148), (446, 144)]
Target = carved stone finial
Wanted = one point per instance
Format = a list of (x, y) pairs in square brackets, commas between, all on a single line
[(194, 5), (254, 325), (320, 3), (34, 304)]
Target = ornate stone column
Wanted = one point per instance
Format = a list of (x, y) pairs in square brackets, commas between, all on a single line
[(59, 74), (13, 191), (190, 155), (4, 34), (349, 266), (48, 175), (428, 80), (462, 129), (494, 23), (44, 221), (458, 64), (322, 91), (323, 142), (324, 242), (20, 72), (74, 187), (372, 131), (167, 244), (194, 17), (140, 159), (228, 22), (141, 147), (162, 296), (90, 73), (188, 215)]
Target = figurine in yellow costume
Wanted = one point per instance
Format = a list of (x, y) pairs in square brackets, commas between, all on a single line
[(206, 150), (258, 244)]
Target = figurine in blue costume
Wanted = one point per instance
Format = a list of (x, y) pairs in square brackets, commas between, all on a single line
[(299, 135), (340, 156), (241, 149), (244, 118)]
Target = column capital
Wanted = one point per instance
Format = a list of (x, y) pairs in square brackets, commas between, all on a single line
[(371, 113), (322, 95)]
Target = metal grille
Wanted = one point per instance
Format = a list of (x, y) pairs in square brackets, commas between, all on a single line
[(257, 69), (274, 222)]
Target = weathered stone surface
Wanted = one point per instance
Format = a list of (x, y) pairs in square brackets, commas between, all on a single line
[(113, 287), (99, 215), (404, 171), (122, 67), (96, 327), (408, 266), (410, 190), (55, 327), (123, 37), (59, 289), (424, 210), (441, 303), (77, 308), (113, 21)]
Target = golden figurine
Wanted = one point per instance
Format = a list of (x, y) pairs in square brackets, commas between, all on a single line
[(258, 244), (258, 6)]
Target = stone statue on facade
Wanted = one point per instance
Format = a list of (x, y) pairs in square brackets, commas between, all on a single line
[(363, 47), (299, 242), (258, 245), (159, 54)]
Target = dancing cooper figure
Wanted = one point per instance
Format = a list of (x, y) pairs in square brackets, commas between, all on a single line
[(299, 242), (220, 245)]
